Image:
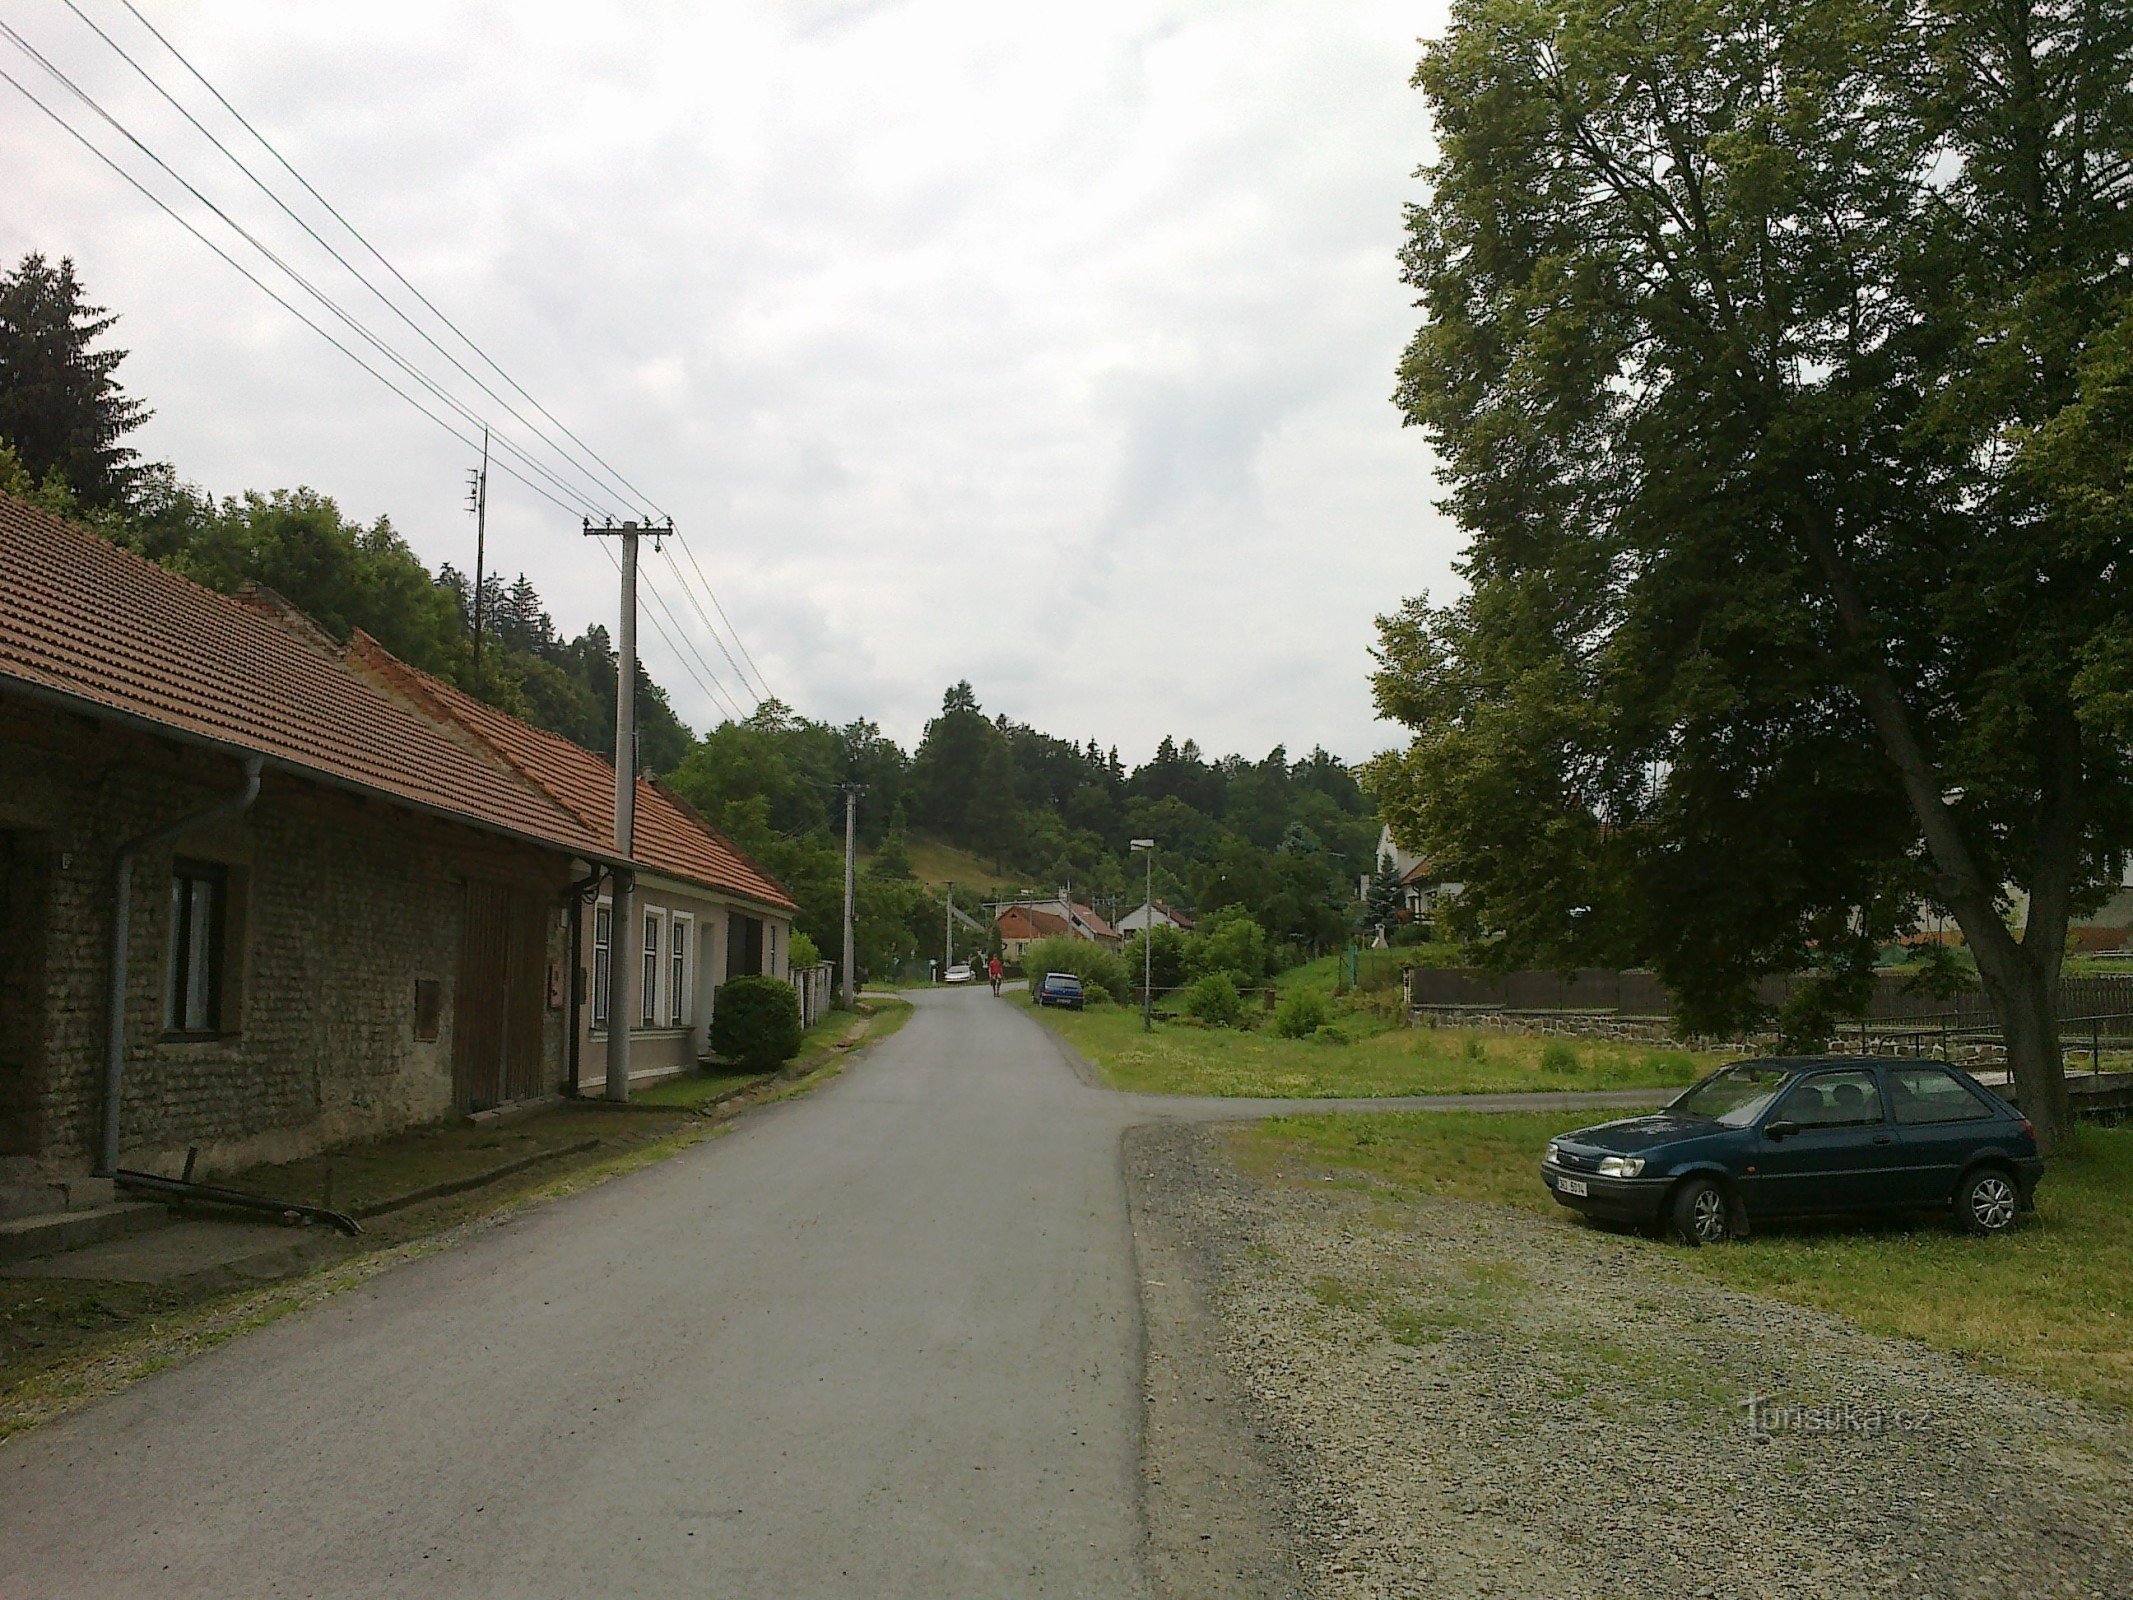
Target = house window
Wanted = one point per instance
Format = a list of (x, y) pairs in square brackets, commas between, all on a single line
[(198, 909), (603, 960), (653, 922), (681, 991)]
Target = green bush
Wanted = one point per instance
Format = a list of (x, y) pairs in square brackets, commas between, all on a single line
[(1559, 1058), (1214, 999), (1230, 941), (1474, 1049), (802, 952), (755, 1021), (1103, 975), (1302, 1014), (1167, 961)]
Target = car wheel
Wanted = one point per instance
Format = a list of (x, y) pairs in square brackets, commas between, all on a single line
[(1701, 1214), (1988, 1202)]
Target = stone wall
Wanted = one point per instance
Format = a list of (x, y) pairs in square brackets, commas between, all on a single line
[(1656, 1031), (337, 906)]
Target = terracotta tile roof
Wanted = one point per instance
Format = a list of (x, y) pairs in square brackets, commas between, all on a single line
[(87, 620), (1095, 924), (1022, 922), (670, 837)]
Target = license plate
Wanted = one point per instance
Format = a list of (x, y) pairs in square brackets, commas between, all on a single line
[(1572, 1186)]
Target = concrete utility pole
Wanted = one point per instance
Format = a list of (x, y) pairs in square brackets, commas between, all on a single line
[(852, 792), (478, 503), (1147, 846), (624, 985), (948, 932)]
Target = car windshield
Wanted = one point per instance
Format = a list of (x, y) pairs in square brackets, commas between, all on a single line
[(1063, 980), (1736, 1096)]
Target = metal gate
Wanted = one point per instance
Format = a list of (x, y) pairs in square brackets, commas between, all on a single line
[(497, 1011)]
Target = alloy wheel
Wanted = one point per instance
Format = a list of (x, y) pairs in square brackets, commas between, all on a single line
[(1707, 1217), (1992, 1203)]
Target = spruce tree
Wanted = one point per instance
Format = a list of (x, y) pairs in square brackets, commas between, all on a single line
[(61, 408)]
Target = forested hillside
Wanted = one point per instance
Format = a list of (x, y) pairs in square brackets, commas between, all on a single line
[(1284, 841)]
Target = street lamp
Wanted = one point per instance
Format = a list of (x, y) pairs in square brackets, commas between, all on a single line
[(1148, 940)]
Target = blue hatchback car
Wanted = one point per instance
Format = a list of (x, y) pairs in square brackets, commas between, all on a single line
[(1805, 1136), (1060, 989)]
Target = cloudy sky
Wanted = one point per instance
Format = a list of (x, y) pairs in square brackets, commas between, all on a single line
[(1046, 348)]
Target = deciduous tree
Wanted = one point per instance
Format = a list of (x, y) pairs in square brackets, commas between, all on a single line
[(1769, 358)]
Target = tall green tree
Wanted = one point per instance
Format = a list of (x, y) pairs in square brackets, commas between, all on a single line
[(61, 407), (1749, 326)]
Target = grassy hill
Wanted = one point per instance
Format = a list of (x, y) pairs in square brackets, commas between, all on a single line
[(935, 863)]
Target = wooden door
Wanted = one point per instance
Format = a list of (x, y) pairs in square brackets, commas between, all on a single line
[(499, 1010)]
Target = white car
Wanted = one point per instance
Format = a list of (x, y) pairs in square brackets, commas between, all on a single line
[(960, 973)]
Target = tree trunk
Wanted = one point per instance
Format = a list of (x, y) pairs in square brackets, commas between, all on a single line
[(2025, 996)]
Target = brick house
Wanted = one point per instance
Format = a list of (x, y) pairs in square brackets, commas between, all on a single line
[(353, 903)]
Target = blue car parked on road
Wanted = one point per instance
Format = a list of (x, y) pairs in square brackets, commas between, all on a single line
[(1805, 1136)]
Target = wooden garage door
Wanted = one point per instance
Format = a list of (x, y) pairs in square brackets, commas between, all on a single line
[(497, 1012)]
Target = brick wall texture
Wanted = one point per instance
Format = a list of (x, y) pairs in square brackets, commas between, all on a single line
[(338, 905)]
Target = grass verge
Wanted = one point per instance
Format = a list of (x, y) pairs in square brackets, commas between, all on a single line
[(1365, 1055), (2051, 1304)]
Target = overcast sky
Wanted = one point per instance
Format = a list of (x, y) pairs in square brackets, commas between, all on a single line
[(1046, 348)]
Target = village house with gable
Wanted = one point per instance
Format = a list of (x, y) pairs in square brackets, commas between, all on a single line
[(341, 897)]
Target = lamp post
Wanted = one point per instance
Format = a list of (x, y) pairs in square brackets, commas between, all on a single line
[(1148, 939)]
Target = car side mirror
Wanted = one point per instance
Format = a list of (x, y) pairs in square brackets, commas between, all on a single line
[(1783, 1128)]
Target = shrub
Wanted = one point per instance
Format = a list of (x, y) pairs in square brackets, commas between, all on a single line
[(1167, 960), (1103, 975), (1559, 1058), (1214, 999), (1474, 1049), (1230, 941), (1329, 1035), (802, 952), (1302, 1014), (755, 1020)]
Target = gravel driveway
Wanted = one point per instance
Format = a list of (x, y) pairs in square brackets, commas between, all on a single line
[(1353, 1396)]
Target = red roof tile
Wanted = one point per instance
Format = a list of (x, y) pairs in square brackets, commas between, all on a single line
[(82, 618), (670, 837), (86, 619)]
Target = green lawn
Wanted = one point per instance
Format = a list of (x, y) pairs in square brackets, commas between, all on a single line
[(1370, 1055), (2052, 1304)]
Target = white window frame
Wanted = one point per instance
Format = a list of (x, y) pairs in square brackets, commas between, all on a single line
[(682, 960), (603, 961), (652, 958)]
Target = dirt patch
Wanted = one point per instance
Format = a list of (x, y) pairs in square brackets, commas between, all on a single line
[(1446, 1400)]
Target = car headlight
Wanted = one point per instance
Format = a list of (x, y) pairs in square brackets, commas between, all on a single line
[(1621, 1166), (1555, 1153)]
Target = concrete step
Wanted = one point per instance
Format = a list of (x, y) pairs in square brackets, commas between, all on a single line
[(57, 1231)]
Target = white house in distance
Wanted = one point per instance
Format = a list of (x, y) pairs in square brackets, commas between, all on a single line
[(1421, 885), (1154, 913)]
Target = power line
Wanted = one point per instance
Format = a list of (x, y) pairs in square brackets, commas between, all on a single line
[(690, 594), (708, 692), (761, 681), (568, 497), (358, 235), (290, 272), (382, 298), (164, 206)]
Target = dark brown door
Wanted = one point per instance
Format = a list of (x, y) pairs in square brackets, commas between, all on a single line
[(497, 1013)]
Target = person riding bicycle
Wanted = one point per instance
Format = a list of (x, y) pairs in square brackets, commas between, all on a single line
[(994, 970)]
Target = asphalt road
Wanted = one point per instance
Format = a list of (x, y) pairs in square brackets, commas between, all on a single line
[(882, 1340)]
